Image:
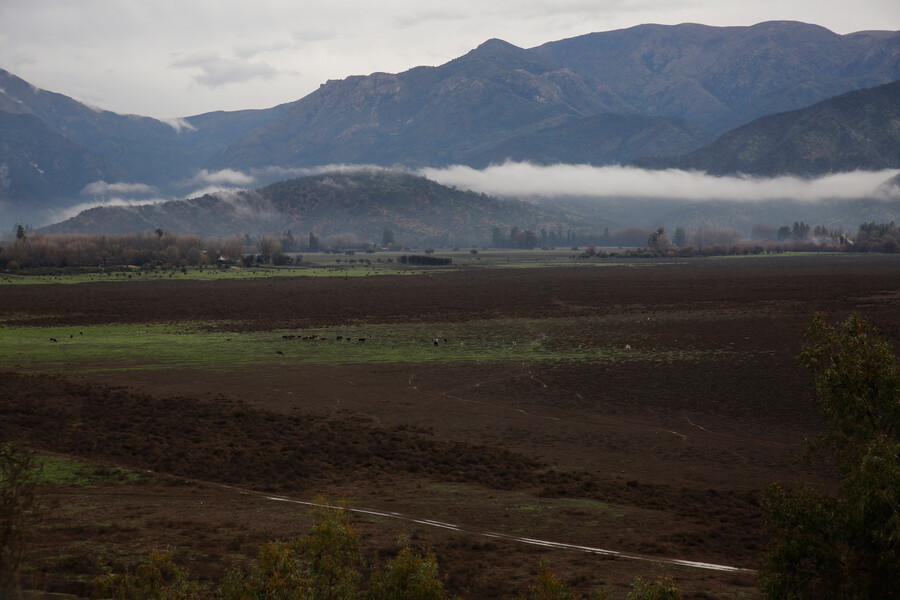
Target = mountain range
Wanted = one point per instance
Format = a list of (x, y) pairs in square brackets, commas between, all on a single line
[(691, 96)]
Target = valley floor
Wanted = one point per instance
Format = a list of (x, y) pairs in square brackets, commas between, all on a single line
[(639, 407)]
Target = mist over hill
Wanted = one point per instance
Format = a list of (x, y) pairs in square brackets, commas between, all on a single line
[(357, 205)]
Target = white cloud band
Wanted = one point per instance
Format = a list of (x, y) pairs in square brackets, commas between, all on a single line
[(528, 180)]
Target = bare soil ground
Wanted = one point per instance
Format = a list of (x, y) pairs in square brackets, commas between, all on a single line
[(659, 458)]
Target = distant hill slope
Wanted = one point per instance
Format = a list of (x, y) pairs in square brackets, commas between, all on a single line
[(39, 163), (110, 147), (358, 204), (600, 140), (857, 130), (722, 77)]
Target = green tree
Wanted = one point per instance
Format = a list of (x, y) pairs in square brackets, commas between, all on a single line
[(654, 589), (548, 586), (411, 575), (845, 545), (323, 565), (331, 552), (17, 483), (387, 237), (658, 241), (159, 578), (800, 230), (274, 574), (680, 237), (498, 240)]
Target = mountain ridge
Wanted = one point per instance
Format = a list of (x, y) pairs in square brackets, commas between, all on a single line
[(855, 130), (667, 86)]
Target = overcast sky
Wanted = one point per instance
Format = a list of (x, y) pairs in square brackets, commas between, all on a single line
[(166, 58)]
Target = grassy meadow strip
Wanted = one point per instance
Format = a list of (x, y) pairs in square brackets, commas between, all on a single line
[(200, 274), (326, 265), (207, 346), (59, 470)]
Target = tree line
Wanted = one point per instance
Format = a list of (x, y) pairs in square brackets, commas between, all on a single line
[(870, 237), (148, 249), (87, 250)]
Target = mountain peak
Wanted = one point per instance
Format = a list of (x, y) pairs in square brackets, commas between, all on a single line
[(496, 44), (502, 55)]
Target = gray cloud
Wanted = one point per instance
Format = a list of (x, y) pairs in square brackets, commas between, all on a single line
[(216, 71), (312, 34)]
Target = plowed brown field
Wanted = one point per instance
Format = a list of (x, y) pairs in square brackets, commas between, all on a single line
[(662, 458)]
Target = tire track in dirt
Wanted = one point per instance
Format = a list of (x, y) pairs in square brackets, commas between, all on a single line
[(482, 403), (548, 417), (512, 538)]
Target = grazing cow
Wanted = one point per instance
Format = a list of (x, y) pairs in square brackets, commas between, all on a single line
[(279, 352), (435, 341), (361, 340), (53, 340)]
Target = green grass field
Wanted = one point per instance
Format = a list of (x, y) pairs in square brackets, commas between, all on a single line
[(57, 470), (212, 346), (330, 265)]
